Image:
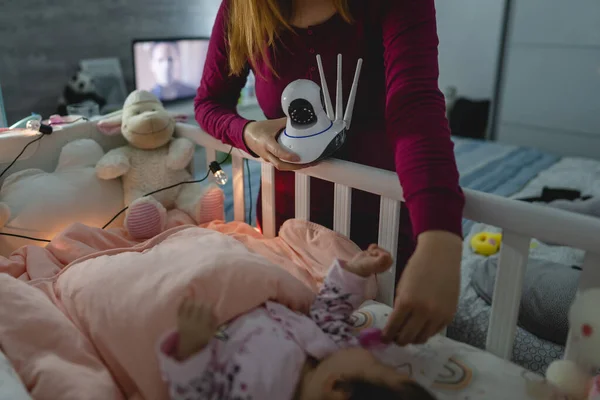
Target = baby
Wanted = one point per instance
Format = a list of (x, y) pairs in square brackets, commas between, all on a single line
[(273, 353)]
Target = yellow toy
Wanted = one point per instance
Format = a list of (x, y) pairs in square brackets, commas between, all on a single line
[(486, 243)]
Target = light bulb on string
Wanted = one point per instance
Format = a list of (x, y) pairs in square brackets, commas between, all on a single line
[(33, 125), (220, 175)]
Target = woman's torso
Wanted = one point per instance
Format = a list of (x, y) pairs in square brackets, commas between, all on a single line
[(294, 57)]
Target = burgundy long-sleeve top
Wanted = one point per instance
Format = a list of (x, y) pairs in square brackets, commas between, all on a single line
[(399, 120)]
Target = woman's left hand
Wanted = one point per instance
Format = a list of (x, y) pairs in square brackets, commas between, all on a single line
[(427, 293)]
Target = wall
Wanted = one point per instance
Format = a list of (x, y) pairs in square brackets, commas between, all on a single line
[(469, 32), (551, 77), (41, 41)]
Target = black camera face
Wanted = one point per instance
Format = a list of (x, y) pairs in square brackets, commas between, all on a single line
[(302, 113)]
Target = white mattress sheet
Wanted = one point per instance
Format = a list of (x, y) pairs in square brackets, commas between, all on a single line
[(452, 370)]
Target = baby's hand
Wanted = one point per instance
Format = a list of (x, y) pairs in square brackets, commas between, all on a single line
[(374, 260), (196, 325)]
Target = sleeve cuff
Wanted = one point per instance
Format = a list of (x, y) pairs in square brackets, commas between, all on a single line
[(238, 125), (348, 282), (180, 371), (441, 211)]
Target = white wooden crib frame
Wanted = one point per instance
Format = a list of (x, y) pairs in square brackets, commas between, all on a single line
[(520, 221)]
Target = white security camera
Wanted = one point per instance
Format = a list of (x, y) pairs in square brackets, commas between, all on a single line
[(312, 132)]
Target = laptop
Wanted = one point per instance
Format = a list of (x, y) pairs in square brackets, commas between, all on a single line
[(169, 68)]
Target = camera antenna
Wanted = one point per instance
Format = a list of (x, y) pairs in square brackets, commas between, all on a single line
[(327, 98), (350, 106)]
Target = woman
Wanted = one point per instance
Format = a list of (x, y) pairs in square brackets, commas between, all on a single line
[(398, 124)]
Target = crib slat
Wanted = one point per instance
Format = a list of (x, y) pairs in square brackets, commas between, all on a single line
[(239, 200), (341, 209), (268, 199), (302, 196), (389, 222), (589, 278), (507, 294)]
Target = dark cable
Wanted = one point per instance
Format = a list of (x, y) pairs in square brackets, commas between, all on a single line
[(25, 237), (156, 191), (170, 187), (44, 130), (21, 153)]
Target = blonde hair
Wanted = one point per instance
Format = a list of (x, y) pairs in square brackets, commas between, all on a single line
[(255, 25)]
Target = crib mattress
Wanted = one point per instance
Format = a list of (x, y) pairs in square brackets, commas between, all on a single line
[(452, 370)]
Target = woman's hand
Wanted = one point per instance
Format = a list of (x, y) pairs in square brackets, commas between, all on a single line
[(261, 138), (427, 293)]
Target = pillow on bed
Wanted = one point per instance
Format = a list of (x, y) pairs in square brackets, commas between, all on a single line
[(42, 204), (548, 291)]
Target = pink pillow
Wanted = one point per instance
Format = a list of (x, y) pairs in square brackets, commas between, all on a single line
[(52, 357)]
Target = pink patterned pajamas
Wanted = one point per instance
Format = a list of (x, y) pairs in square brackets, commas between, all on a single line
[(260, 355)]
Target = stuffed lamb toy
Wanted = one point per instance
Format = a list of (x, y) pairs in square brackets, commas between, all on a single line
[(571, 378), (152, 160)]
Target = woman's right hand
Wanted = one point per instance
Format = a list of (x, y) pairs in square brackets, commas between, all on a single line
[(261, 138)]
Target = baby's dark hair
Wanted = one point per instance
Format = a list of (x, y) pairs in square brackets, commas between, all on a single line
[(359, 389)]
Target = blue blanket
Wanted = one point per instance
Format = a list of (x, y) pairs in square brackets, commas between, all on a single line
[(485, 166), (497, 168)]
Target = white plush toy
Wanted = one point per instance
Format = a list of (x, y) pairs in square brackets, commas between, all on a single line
[(152, 160), (41, 204), (568, 376)]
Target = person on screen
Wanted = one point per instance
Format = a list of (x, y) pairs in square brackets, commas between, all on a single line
[(163, 57)]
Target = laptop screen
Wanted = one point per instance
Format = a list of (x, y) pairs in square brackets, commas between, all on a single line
[(169, 68)]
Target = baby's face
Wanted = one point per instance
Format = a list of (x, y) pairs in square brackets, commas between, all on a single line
[(347, 364)]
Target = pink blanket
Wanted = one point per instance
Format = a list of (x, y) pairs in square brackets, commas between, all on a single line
[(82, 319)]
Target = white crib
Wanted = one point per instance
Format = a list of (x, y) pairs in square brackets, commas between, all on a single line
[(520, 221)]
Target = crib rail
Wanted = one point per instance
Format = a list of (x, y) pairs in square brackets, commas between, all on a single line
[(520, 222)]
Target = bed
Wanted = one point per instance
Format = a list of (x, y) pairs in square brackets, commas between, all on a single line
[(520, 222)]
